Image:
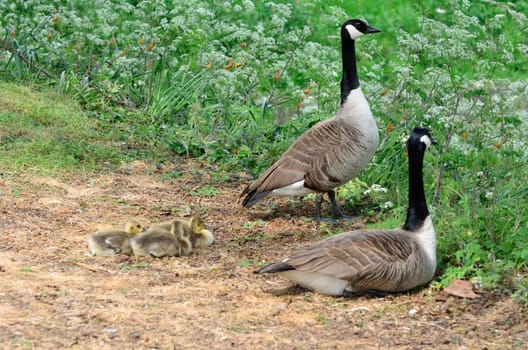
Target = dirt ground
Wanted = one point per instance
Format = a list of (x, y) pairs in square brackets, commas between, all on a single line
[(54, 294)]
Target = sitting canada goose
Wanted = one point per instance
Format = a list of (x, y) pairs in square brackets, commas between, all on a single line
[(333, 151), (159, 242), (195, 231), (106, 243), (375, 261)]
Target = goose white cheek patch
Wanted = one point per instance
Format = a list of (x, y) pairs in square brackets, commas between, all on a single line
[(425, 139), (354, 33)]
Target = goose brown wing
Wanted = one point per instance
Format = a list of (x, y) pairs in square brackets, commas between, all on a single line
[(321, 141), (353, 256)]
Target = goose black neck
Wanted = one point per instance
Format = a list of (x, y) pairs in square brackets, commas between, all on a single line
[(417, 211), (350, 79)]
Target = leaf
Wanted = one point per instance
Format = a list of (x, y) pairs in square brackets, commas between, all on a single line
[(462, 289)]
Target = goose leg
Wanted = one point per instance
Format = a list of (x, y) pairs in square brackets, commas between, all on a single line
[(338, 214), (318, 201)]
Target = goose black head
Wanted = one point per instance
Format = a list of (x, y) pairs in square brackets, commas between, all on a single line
[(355, 28), (421, 136)]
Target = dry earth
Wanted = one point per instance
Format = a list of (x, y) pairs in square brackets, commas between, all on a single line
[(53, 294)]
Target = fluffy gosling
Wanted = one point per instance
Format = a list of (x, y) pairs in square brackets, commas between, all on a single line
[(111, 242)]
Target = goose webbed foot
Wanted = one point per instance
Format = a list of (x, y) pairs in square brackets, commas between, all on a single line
[(338, 213)]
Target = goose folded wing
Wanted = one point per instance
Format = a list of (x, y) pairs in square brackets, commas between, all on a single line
[(320, 142), (355, 256)]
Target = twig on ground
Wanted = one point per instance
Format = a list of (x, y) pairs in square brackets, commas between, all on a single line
[(91, 268)]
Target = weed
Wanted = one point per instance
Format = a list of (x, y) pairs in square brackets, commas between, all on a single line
[(127, 266), (250, 263), (171, 175), (209, 191), (253, 224), (241, 328), (321, 320)]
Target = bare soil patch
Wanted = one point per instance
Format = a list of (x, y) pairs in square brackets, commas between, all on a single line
[(53, 294)]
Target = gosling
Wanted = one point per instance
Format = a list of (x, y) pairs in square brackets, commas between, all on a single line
[(158, 242), (194, 230), (112, 242)]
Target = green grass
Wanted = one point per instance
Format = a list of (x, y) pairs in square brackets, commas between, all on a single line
[(46, 132)]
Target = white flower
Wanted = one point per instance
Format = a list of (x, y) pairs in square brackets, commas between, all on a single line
[(378, 188), (387, 205)]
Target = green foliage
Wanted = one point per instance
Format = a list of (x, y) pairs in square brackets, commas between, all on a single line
[(127, 266), (250, 263), (209, 191), (236, 82), (321, 320)]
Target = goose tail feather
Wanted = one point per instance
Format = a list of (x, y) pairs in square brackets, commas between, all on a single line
[(274, 268), (253, 197)]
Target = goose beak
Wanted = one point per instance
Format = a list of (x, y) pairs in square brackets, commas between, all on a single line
[(371, 30)]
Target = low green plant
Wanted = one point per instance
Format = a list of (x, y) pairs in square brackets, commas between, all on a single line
[(321, 320), (209, 191), (127, 266), (250, 262), (253, 224)]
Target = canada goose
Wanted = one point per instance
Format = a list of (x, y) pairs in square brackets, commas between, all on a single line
[(195, 231), (333, 151), (378, 260), (106, 243), (159, 242)]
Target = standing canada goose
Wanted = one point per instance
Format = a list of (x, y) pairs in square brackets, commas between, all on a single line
[(159, 242), (194, 230), (106, 243), (376, 261), (333, 151)]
